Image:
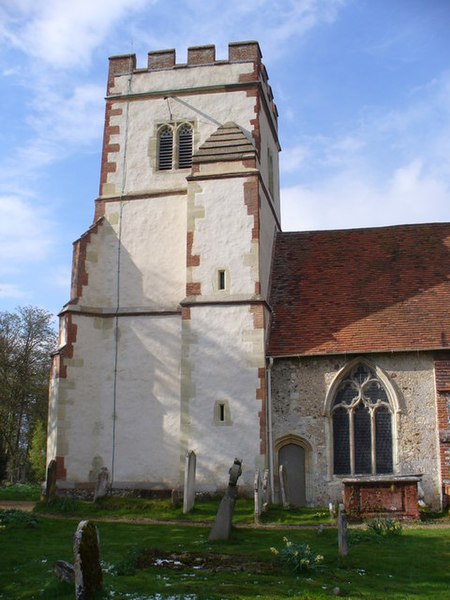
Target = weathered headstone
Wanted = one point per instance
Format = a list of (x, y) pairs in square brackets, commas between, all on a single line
[(257, 493), (421, 495), (332, 509), (283, 486), (265, 490), (86, 561), (102, 487), (342, 532), (174, 498), (64, 571), (222, 526), (189, 482), (50, 483)]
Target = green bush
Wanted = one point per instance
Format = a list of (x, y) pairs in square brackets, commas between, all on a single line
[(385, 527), (297, 557), (37, 452), (17, 518)]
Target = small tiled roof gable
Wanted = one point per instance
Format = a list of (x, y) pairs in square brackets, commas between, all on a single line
[(228, 142), (361, 290)]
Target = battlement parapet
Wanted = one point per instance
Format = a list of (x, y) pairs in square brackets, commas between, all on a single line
[(196, 56)]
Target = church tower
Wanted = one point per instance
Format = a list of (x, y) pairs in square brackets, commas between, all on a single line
[(163, 342)]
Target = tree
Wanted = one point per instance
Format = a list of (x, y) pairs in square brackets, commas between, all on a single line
[(27, 338), (36, 454)]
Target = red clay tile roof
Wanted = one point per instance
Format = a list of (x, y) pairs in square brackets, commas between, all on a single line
[(361, 290)]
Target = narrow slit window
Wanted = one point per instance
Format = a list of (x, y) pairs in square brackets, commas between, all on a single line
[(221, 414), (221, 279)]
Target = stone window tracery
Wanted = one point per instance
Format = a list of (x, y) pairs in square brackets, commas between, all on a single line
[(362, 424), (174, 146)]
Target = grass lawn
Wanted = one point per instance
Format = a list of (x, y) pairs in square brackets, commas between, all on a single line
[(203, 512), (412, 566), (21, 492)]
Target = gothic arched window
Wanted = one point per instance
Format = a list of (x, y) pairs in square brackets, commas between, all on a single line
[(362, 424), (184, 146), (165, 148), (174, 146)]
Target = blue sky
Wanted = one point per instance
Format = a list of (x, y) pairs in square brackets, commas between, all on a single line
[(362, 88)]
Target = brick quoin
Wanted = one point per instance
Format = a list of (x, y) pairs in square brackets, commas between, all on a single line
[(61, 472), (185, 313), (79, 272), (193, 289), (252, 202), (109, 130), (442, 378), (257, 312), (59, 369), (192, 260), (256, 131)]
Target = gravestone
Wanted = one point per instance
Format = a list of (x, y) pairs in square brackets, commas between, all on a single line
[(50, 484), (189, 482), (174, 498), (265, 490), (64, 571), (86, 561), (102, 487), (342, 532), (222, 526), (332, 510), (283, 486), (258, 496)]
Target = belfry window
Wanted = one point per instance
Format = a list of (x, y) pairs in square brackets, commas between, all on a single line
[(165, 150), (362, 425), (174, 146), (184, 146)]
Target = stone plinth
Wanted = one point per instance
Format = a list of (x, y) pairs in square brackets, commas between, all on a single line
[(389, 496)]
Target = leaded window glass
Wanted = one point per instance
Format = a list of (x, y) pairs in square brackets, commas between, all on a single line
[(362, 424)]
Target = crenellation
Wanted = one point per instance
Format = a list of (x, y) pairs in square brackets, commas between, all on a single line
[(161, 59), (201, 55)]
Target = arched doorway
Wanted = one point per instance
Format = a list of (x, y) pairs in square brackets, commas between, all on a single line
[(292, 457)]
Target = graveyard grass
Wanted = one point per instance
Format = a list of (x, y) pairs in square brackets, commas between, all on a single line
[(413, 565), (203, 511)]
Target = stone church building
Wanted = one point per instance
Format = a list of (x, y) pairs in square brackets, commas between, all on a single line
[(196, 324)]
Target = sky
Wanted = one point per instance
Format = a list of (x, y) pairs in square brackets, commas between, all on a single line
[(362, 89)]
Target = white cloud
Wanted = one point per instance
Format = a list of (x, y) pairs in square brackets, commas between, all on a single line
[(347, 200), (63, 34), (291, 159), (272, 22), (385, 169), (24, 233), (11, 290)]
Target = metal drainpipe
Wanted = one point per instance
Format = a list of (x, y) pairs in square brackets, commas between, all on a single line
[(269, 423)]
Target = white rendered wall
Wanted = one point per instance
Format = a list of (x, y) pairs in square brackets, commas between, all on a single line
[(148, 401), (145, 400), (223, 239), (269, 228), (152, 255), (222, 358), (138, 130)]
